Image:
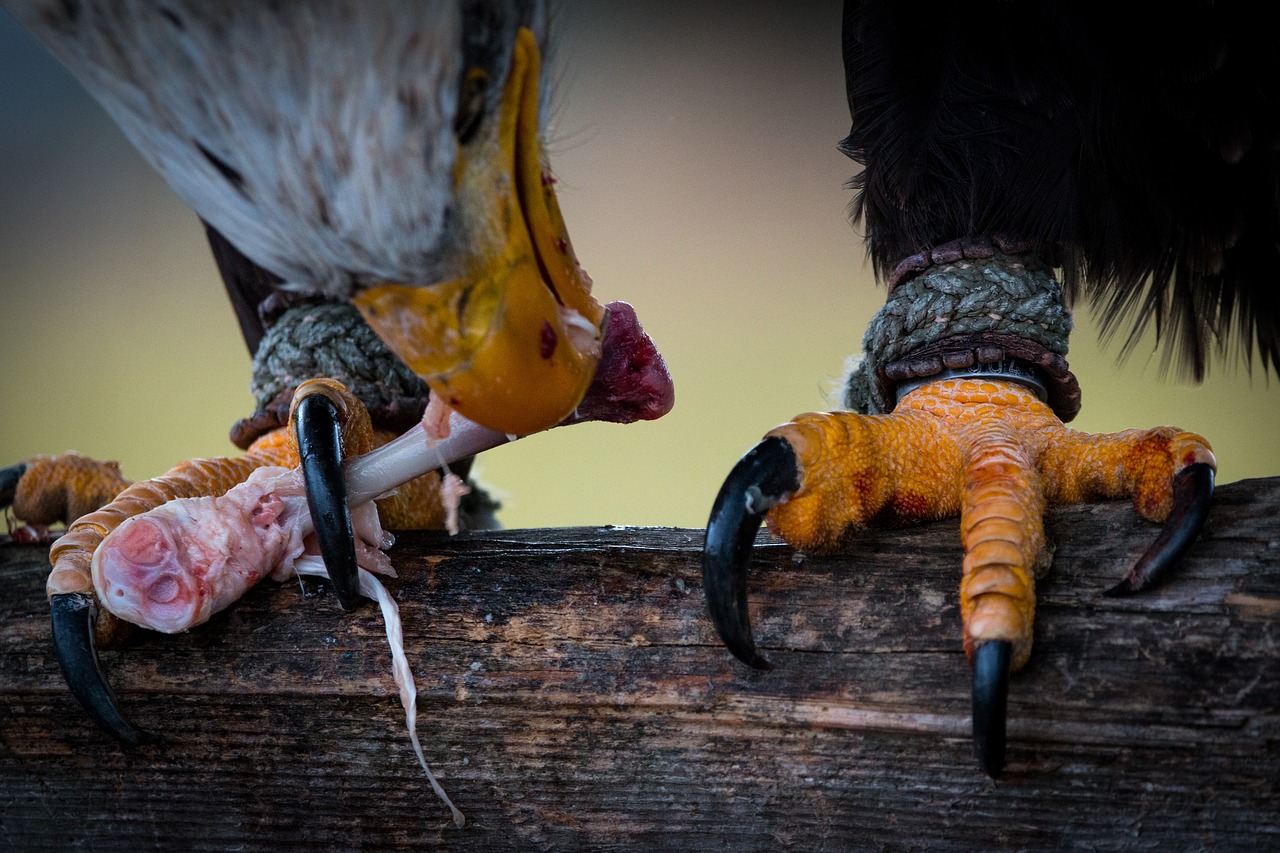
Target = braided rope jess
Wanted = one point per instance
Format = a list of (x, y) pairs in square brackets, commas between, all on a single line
[(1006, 295), (333, 340), (310, 340)]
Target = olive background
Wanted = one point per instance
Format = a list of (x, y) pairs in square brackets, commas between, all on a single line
[(695, 149)]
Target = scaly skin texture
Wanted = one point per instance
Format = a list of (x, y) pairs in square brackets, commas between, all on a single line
[(989, 451), (416, 504), (64, 486)]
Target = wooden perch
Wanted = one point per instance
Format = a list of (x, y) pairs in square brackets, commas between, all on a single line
[(573, 694)]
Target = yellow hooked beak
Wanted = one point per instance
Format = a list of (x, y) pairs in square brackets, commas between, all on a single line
[(514, 343)]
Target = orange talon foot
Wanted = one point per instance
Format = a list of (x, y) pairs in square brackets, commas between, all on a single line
[(81, 623), (45, 492), (986, 449)]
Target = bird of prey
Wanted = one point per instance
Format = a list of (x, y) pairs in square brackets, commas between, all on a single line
[(1016, 156), (381, 155)]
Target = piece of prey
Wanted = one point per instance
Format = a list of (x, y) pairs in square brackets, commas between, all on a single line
[(172, 568)]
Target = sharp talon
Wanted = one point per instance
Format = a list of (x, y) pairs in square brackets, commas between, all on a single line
[(320, 450), (1192, 493), (73, 618), (9, 477), (766, 476), (991, 703)]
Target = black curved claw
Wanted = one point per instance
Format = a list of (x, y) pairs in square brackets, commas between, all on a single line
[(767, 475), (991, 703), (1192, 493), (9, 477), (73, 616), (320, 449)]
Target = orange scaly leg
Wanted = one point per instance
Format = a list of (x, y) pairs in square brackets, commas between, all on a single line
[(326, 426), (80, 624), (44, 491), (988, 450)]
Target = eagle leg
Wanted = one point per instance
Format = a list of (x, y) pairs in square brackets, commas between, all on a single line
[(80, 624), (985, 449)]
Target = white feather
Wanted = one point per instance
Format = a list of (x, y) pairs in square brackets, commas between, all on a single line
[(336, 115)]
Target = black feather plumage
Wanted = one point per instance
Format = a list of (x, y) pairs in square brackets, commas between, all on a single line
[(248, 286), (1140, 151)]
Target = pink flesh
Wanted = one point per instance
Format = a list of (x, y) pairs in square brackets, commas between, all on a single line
[(631, 382), (172, 568)]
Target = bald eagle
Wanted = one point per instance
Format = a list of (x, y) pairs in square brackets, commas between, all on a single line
[(383, 156)]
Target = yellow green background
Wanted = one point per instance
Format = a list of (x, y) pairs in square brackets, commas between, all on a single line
[(695, 150)]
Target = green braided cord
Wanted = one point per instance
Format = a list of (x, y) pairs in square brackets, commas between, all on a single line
[(330, 340), (1002, 294)]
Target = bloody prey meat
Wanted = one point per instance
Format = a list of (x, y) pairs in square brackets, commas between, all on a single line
[(172, 568)]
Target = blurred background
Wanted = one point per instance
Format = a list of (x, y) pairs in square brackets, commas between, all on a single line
[(695, 150)]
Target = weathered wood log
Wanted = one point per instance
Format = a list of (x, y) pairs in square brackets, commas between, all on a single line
[(573, 694)]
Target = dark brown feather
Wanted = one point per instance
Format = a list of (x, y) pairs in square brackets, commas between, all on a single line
[(1142, 151), (247, 286)]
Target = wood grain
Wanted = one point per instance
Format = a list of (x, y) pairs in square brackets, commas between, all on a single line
[(573, 695)]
